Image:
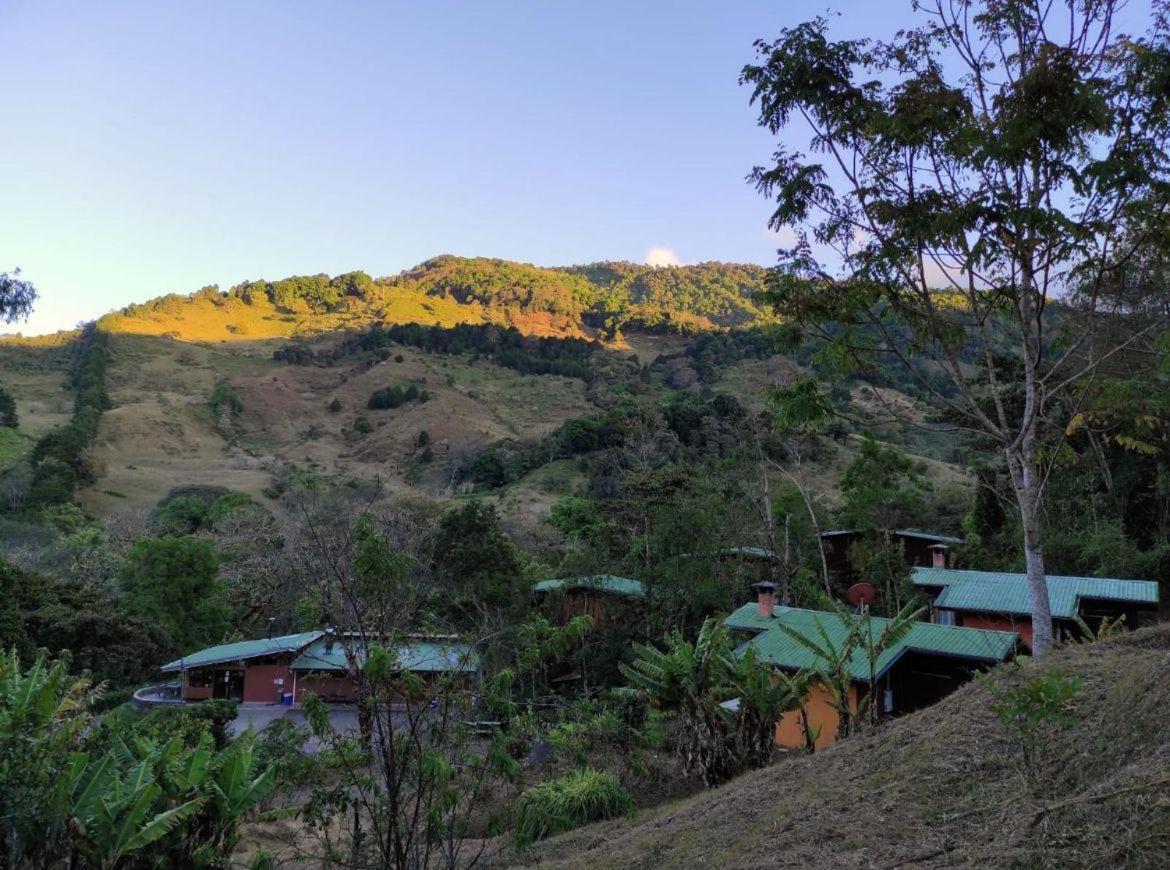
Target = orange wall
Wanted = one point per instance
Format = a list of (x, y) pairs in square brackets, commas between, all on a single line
[(1020, 624), (790, 730)]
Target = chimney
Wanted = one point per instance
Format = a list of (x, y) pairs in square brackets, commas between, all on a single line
[(766, 600), (271, 626), (328, 641), (938, 555)]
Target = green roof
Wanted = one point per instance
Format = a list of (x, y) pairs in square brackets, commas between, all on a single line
[(429, 655), (778, 648), (244, 649), (995, 592), (599, 582), (901, 533)]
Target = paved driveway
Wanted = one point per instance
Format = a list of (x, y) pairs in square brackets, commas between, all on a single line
[(343, 716)]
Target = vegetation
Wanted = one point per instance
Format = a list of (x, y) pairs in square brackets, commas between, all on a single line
[(173, 583), (120, 795), (8, 416), (577, 798)]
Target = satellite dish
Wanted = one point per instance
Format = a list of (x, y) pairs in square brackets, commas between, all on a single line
[(861, 593)]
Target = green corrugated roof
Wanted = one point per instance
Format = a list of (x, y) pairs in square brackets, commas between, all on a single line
[(996, 592), (600, 582), (778, 648), (429, 655), (901, 533), (244, 649)]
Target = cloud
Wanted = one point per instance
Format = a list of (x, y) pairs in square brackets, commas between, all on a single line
[(660, 256)]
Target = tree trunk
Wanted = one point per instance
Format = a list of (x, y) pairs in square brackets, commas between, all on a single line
[(1026, 484)]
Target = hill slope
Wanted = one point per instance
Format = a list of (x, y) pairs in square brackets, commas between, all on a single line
[(938, 788), (599, 299)]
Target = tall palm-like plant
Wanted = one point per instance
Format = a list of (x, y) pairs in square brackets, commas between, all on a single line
[(835, 657), (43, 715), (692, 679)]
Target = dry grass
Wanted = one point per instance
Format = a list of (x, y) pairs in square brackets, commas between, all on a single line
[(940, 788)]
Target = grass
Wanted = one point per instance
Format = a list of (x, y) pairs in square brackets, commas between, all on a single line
[(567, 802), (13, 447)]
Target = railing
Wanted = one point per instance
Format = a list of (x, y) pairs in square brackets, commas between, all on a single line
[(160, 694)]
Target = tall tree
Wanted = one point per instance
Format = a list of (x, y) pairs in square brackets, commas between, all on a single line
[(984, 180)]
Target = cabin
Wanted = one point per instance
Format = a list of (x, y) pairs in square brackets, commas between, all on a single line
[(590, 596), (930, 661), (922, 549), (284, 669), (996, 600)]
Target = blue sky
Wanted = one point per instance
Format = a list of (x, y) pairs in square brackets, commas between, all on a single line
[(155, 147)]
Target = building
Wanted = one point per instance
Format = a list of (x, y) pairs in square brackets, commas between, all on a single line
[(926, 665), (918, 549), (592, 595), (991, 599), (269, 669)]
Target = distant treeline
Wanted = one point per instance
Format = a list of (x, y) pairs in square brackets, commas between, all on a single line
[(59, 462), (506, 346)]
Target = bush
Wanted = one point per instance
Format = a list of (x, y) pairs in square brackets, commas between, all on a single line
[(8, 416), (570, 801), (335, 406), (362, 425)]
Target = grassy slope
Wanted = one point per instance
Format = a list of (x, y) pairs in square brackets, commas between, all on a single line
[(941, 787)]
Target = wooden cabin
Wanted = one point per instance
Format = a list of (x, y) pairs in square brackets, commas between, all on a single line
[(591, 596)]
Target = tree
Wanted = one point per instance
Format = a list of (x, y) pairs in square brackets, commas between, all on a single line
[(174, 582), (8, 415), (1012, 153), (16, 297), (474, 553)]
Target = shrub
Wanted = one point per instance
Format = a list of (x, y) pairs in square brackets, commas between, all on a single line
[(335, 406), (1031, 709), (570, 801), (424, 438), (362, 425), (8, 416)]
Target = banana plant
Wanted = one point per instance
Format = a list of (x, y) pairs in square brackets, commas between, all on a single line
[(115, 812)]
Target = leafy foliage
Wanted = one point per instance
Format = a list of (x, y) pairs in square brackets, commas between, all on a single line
[(570, 801)]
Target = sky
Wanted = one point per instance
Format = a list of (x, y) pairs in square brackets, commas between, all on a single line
[(160, 146)]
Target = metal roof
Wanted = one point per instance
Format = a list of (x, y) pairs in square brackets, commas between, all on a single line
[(599, 582), (244, 649), (996, 592), (422, 656), (778, 648), (901, 533)]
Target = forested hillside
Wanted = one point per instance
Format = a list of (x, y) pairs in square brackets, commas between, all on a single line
[(598, 300)]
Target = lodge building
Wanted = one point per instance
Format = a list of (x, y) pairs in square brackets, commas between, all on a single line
[(284, 669)]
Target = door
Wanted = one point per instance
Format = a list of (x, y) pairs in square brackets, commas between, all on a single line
[(229, 684)]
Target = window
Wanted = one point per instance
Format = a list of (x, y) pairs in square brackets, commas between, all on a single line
[(944, 617), (200, 679)]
